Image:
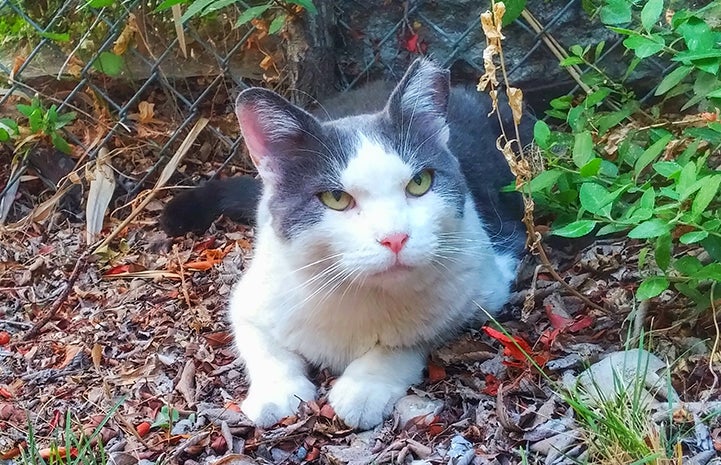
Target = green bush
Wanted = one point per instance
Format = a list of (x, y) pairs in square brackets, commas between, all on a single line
[(618, 166)]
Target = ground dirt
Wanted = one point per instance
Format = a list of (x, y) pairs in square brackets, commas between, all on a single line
[(142, 326)]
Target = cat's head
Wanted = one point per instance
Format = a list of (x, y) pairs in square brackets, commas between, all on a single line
[(375, 195)]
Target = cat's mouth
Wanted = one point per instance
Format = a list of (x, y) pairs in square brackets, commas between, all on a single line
[(396, 269)]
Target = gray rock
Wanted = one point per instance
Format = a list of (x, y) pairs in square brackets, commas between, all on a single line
[(420, 410)]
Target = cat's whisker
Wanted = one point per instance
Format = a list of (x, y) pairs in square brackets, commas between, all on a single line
[(321, 260)]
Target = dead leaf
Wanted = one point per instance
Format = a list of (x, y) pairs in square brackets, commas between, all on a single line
[(186, 385), (96, 353), (102, 187), (515, 101), (126, 36)]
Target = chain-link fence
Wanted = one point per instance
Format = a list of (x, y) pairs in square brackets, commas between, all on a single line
[(137, 79)]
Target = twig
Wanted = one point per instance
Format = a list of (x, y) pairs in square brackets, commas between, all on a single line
[(79, 265), (538, 246), (164, 176), (523, 175), (555, 48), (714, 349)]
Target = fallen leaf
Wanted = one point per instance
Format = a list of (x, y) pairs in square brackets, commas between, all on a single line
[(102, 187), (96, 353), (436, 372)]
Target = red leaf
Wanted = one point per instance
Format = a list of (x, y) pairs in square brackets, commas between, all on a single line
[(492, 385), (517, 348), (436, 372), (327, 411), (557, 321), (411, 43), (219, 339), (313, 454), (57, 417), (581, 323), (200, 246)]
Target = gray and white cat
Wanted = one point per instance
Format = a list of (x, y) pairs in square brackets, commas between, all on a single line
[(379, 236)]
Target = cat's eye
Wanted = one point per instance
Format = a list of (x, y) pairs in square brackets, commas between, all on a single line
[(420, 183), (337, 200)]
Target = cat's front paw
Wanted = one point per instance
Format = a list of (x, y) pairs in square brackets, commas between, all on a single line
[(363, 403), (268, 403)]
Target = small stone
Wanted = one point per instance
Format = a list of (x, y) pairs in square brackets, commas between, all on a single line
[(420, 410)]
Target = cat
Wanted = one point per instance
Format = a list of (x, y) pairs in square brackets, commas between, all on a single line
[(381, 232)]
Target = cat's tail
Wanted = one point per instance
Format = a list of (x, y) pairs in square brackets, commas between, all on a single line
[(196, 209)]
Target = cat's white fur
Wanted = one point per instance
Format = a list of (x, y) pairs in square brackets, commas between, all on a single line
[(373, 328)]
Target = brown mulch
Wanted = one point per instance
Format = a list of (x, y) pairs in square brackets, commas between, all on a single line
[(139, 333)]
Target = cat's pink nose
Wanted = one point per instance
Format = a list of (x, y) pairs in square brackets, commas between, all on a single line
[(394, 242)]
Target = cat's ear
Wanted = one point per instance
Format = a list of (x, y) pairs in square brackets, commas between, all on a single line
[(421, 98), (271, 126)]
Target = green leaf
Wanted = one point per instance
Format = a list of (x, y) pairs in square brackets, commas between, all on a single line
[(687, 265), (594, 98), (167, 4), (514, 8), (582, 148), (696, 55), (544, 180), (710, 271), (60, 143), (576, 50), (611, 229), (596, 199), (712, 245), (611, 119), (109, 63), (277, 23), (616, 12), (310, 7), (252, 13), (542, 134), (651, 287), (217, 5), (693, 237), (577, 118), (56, 36), (194, 9), (649, 229), (706, 194), (686, 180), (696, 34), (643, 46), (99, 3), (9, 125), (667, 169), (562, 103), (672, 79), (651, 153), (591, 168), (662, 252), (648, 199), (575, 229), (650, 13), (571, 61)]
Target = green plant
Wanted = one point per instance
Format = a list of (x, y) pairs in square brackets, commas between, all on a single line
[(166, 417), (68, 446), (277, 10), (621, 167), (618, 428), (41, 121)]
